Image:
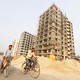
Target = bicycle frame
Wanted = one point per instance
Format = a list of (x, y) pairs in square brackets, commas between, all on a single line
[(5, 63)]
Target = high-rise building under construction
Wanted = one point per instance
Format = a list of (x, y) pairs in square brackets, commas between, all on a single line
[(55, 33)]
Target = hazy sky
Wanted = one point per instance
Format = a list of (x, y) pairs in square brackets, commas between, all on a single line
[(17, 16)]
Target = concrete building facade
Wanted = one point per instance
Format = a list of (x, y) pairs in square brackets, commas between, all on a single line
[(26, 42), (55, 33), (15, 47)]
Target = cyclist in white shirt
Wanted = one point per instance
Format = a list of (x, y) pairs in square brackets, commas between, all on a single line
[(8, 56)]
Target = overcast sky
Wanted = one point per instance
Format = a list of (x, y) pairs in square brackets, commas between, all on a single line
[(17, 16)]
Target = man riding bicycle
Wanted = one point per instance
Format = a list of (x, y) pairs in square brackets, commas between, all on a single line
[(31, 64), (8, 56), (30, 58)]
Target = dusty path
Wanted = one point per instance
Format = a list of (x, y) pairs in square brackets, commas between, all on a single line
[(48, 71)]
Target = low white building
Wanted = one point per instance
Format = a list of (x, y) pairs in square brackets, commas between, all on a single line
[(15, 47)]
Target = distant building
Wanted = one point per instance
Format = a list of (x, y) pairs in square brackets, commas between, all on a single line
[(26, 42), (55, 33), (15, 46)]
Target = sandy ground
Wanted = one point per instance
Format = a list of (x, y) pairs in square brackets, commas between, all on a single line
[(50, 70)]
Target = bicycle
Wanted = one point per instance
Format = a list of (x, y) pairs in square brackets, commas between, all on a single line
[(34, 69)]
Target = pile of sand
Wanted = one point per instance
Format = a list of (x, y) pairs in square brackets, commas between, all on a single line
[(50, 69), (18, 61), (1, 57), (46, 63), (65, 66), (70, 66)]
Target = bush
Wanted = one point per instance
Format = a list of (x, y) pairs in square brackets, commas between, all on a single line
[(1, 53)]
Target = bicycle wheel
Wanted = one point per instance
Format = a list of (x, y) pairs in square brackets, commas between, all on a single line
[(24, 71), (35, 72), (6, 71)]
